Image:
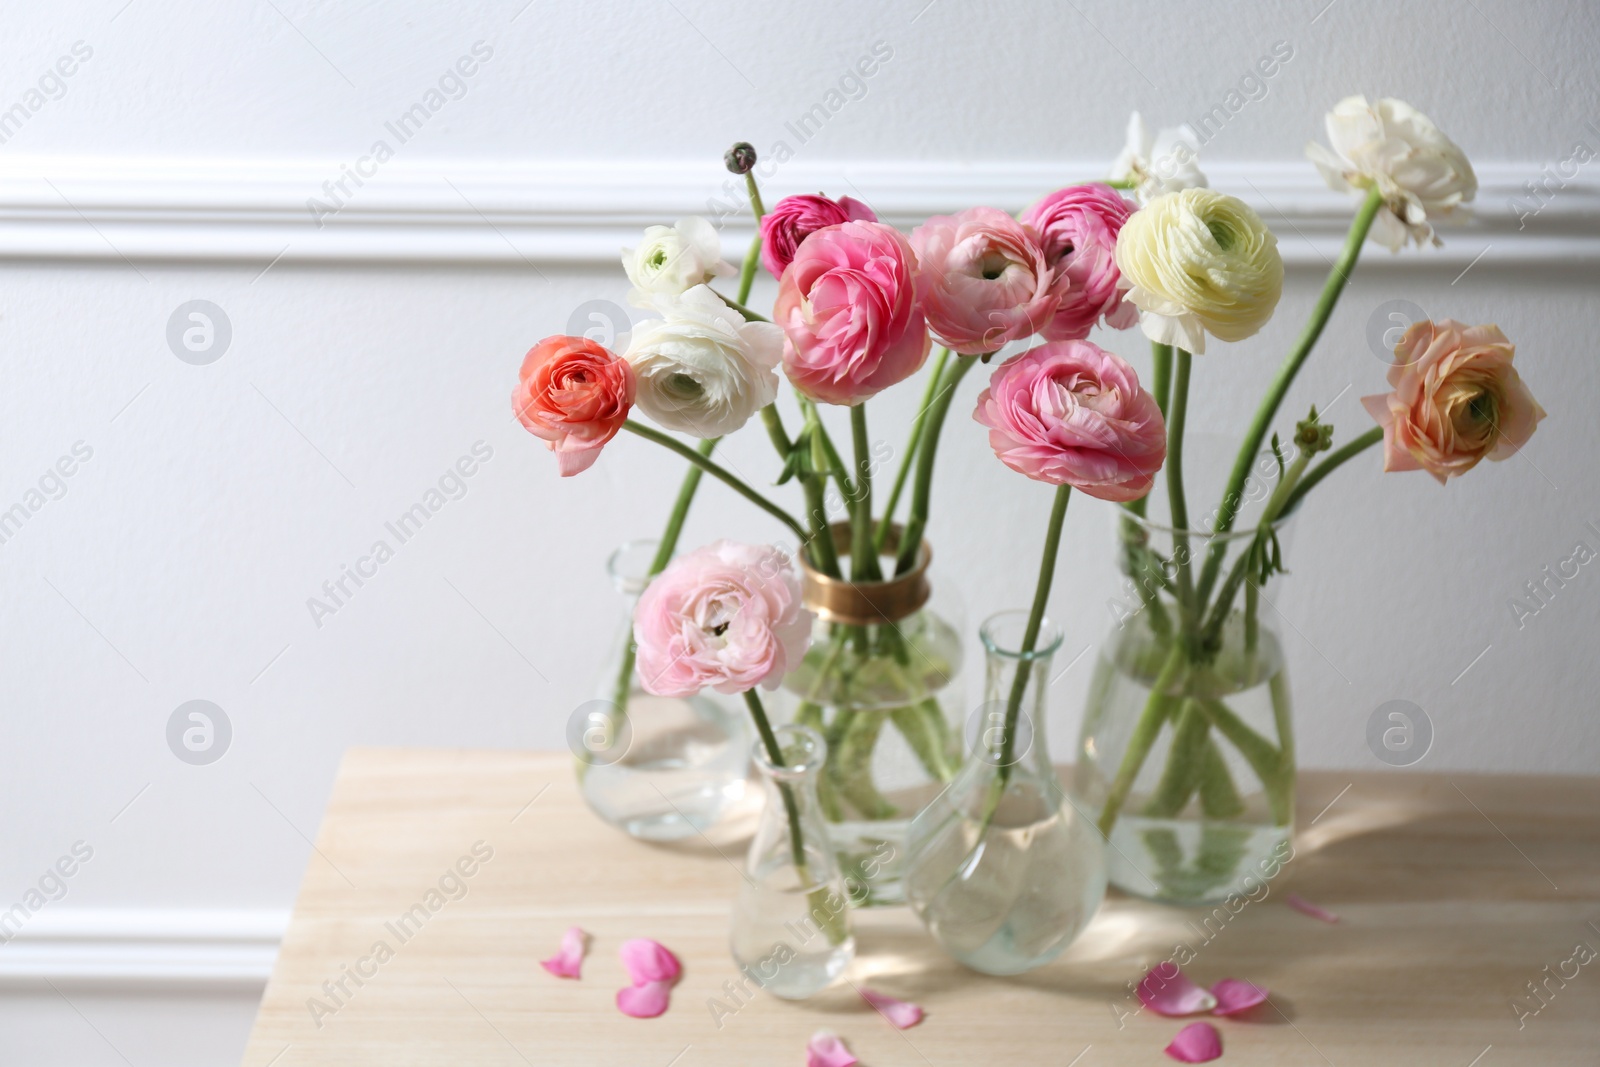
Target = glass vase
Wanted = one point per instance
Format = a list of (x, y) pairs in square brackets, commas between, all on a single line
[(879, 683), (1003, 871), (1187, 749), (791, 923), (657, 768)]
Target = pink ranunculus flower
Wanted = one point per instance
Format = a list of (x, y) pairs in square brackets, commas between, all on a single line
[(848, 307), (794, 218), (1071, 413), (726, 616), (986, 279), (1457, 400), (1078, 227), (576, 395)]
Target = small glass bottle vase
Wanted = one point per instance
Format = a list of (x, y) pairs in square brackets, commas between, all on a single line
[(791, 923), (1186, 758), (1003, 871), (657, 768)]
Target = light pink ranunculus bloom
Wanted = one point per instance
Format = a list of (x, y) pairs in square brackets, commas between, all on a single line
[(794, 218), (1078, 227), (1457, 400), (986, 280), (848, 307), (1071, 413), (726, 616)]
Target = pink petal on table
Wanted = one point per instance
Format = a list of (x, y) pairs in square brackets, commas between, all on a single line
[(1196, 1043), (826, 1050), (901, 1013), (1235, 995), (1305, 907), (1167, 991), (645, 1000), (649, 961), (569, 961)]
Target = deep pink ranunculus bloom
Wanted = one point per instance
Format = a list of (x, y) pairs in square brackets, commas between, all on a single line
[(848, 307), (986, 280), (1071, 413), (726, 617), (794, 218), (1078, 227)]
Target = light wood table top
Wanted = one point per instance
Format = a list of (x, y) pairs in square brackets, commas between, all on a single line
[(1455, 893)]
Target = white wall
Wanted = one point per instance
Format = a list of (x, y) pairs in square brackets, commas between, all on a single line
[(375, 351)]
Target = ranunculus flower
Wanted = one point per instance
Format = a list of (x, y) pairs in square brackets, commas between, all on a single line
[(1159, 163), (848, 307), (574, 394), (1398, 149), (1200, 262), (673, 259), (726, 616), (1457, 400), (794, 218), (703, 369), (986, 279), (1071, 413), (1078, 227)]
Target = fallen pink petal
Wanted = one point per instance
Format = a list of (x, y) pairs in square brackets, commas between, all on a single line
[(649, 961), (1166, 990), (644, 1000), (1305, 907), (826, 1050), (1235, 995), (569, 961), (1196, 1043), (901, 1013)]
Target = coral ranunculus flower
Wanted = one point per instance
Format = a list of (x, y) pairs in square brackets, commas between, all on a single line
[(575, 394), (848, 307), (1071, 413), (1078, 226), (1457, 400), (986, 279)]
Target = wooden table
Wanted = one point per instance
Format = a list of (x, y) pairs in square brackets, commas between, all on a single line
[(1455, 893)]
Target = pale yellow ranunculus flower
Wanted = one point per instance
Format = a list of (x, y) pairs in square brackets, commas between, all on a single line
[(1200, 262)]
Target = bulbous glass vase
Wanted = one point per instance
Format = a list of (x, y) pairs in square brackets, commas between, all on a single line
[(1003, 871), (657, 768), (791, 923)]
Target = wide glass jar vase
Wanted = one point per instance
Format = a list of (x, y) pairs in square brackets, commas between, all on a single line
[(1186, 755), (657, 768), (881, 683)]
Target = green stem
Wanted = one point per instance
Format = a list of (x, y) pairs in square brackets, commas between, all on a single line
[(738, 305), (922, 489), (863, 560), (664, 553), (1239, 575), (880, 538), (1030, 636), (1338, 278), (1176, 500), (1331, 463), (1161, 389), (775, 431), (1262, 755), (716, 471), (1181, 776), (1144, 736)]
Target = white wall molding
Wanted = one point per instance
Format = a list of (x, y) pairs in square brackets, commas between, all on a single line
[(134, 947), (90, 208)]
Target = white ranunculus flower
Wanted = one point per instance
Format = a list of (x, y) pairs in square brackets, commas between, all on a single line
[(1398, 149), (1159, 164), (701, 368), (1199, 262), (672, 259)]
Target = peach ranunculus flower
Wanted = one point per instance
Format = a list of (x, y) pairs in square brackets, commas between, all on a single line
[(1457, 400), (576, 395), (987, 280)]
